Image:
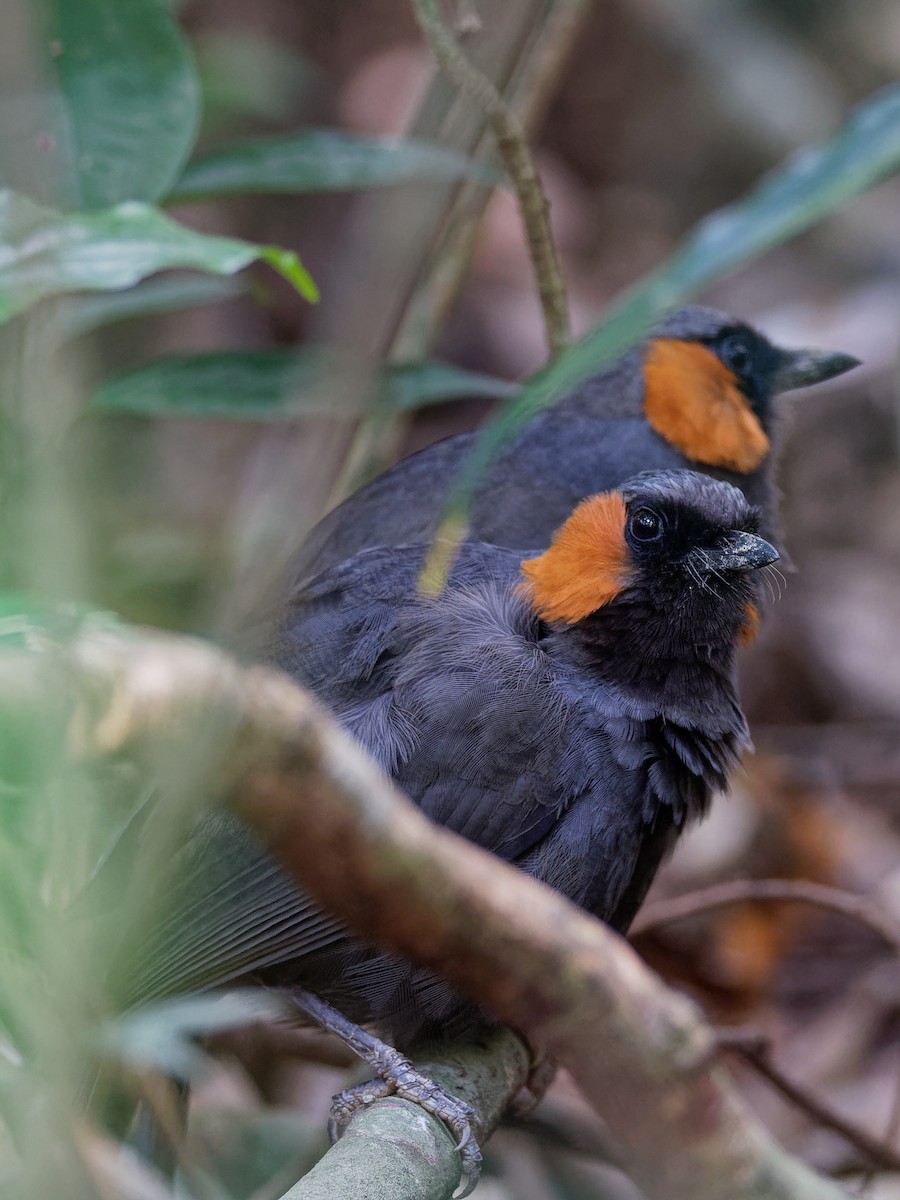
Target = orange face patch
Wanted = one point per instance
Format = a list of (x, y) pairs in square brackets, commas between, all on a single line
[(692, 400), (750, 625), (587, 564)]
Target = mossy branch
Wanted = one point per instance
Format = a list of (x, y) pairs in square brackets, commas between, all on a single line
[(393, 1150)]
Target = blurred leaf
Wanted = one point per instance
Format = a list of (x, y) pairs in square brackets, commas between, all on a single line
[(130, 93), (162, 1035), (276, 385), (45, 253), (36, 713), (246, 73), (288, 264), (241, 385), (322, 161), (408, 386), (255, 1151), (810, 185), (29, 622), (121, 1172), (151, 297), (129, 800)]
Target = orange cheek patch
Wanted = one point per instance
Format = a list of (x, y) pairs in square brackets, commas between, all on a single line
[(691, 399), (587, 564), (750, 625)]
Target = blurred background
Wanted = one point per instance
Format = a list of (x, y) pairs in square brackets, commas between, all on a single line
[(645, 116)]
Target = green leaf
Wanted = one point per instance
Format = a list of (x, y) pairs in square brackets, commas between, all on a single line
[(810, 185), (156, 296), (288, 264), (250, 74), (131, 96), (45, 253), (161, 1035), (408, 386), (242, 385), (276, 385), (322, 161), (259, 1152), (32, 623)]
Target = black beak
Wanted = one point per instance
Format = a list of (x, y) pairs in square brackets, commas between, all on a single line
[(800, 368), (737, 552)]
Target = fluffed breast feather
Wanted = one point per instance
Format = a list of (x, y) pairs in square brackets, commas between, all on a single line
[(457, 697), (482, 714)]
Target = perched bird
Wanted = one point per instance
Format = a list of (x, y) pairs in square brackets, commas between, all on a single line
[(699, 393), (571, 711)]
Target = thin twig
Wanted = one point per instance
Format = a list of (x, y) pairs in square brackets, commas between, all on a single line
[(528, 47), (739, 891), (893, 1124), (259, 1046), (754, 1050), (890, 1134), (560, 1127), (518, 162)]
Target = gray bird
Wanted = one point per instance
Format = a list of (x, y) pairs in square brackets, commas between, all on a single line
[(571, 711), (699, 393)]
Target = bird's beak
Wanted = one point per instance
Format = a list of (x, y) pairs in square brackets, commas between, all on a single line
[(800, 368), (738, 552)]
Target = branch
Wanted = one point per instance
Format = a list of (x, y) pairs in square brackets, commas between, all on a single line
[(755, 1052), (639, 1051), (561, 1126), (513, 148), (394, 1150), (738, 891)]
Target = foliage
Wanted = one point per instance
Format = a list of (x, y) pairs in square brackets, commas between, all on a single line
[(49, 252), (277, 385)]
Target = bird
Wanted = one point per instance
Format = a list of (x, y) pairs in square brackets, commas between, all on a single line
[(699, 393), (570, 709)]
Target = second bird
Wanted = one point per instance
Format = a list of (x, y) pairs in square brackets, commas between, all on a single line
[(700, 393)]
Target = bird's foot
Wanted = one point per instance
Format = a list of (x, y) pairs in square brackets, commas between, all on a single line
[(397, 1076)]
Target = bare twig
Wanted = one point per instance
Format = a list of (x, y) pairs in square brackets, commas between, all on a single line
[(739, 891), (754, 1050), (560, 1127), (639, 1051), (513, 148), (890, 1134), (259, 1046), (893, 1123), (521, 51)]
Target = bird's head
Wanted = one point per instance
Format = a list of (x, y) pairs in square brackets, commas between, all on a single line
[(709, 382), (669, 556)]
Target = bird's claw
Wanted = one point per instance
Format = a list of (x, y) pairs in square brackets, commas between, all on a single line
[(402, 1079)]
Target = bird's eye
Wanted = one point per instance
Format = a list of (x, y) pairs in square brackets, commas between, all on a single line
[(735, 353), (646, 525)]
